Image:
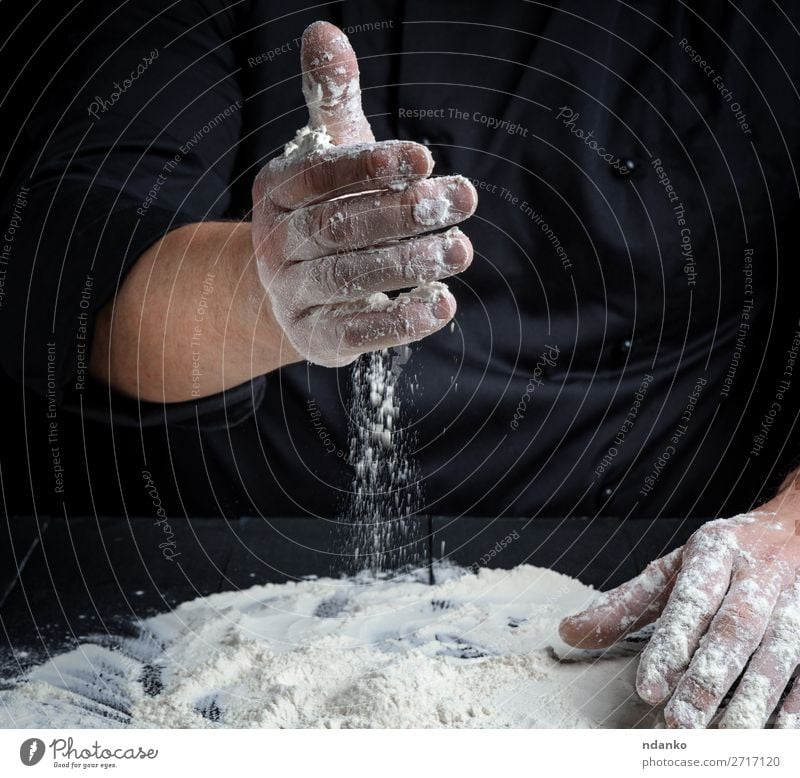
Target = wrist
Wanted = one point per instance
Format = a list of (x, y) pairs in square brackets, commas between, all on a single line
[(255, 336)]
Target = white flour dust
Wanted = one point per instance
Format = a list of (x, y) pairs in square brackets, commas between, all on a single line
[(307, 140), (380, 530), (432, 212), (378, 526), (474, 650), (428, 292)]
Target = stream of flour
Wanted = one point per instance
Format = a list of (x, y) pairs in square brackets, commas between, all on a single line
[(382, 532)]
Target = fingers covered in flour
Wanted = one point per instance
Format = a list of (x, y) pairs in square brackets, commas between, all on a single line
[(335, 335), (696, 596), (353, 275), (733, 635), (629, 607), (770, 670), (363, 220), (789, 715), (294, 181)]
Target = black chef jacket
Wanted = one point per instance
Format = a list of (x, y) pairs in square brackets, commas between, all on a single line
[(626, 338)]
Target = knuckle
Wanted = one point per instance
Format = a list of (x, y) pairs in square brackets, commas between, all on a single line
[(740, 623), (662, 570), (376, 163), (701, 689), (700, 534), (353, 336), (261, 179), (319, 177), (408, 252), (257, 190), (405, 326), (338, 275), (298, 290), (411, 197), (284, 235), (709, 539), (315, 275), (656, 568), (332, 276), (265, 191), (370, 165), (408, 263), (332, 228), (267, 274)]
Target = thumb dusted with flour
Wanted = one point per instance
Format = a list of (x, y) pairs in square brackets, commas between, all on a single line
[(331, 85)]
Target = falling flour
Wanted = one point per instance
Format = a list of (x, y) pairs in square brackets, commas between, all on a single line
[(473, 650), (380, 529)]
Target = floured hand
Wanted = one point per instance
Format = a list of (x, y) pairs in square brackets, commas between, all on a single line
[(729, 596), (326, 262)]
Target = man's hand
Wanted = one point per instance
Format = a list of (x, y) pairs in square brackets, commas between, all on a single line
[(321, 258), (290, 285), (730, 595)]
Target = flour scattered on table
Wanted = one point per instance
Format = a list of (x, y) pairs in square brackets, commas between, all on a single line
[(473, 650)]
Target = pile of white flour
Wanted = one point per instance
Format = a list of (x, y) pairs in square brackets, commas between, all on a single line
[(469, 651)]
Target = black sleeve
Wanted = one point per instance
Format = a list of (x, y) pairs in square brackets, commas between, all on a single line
[(135, 135)]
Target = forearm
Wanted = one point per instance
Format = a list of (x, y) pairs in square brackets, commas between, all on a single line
[(190, 320)]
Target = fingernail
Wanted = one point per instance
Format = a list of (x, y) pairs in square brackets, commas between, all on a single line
[(653, 691), (441, 308), (415, 160), (457, 251), (436, 297), (462, 195), (440, 303)]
